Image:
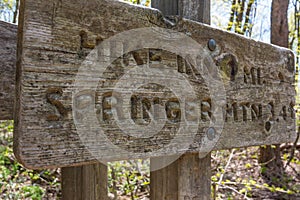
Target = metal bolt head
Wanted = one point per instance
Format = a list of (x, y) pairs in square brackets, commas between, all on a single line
[(212, 45), (211, 133)]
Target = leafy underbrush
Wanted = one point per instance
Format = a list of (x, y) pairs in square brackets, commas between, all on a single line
[(238, 175), (129, 178), (17, 182)]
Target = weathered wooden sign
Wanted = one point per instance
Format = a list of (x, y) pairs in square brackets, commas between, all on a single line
[(8, 41), (83, 96)]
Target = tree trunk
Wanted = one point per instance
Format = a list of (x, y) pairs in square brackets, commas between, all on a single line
[(16, 12), (279, 23), (270, 155)]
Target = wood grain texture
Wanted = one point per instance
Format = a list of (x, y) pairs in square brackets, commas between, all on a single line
[(164, 182), (55, 36), (194, 176), (8, 46), (167, 7), (87, 182), (189, 9), (189, 177)]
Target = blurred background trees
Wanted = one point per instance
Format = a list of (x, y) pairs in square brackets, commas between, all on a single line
[(9, 10), (242, 16)]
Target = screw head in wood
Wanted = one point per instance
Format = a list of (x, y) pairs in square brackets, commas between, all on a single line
[(211, 133), (212, 45)]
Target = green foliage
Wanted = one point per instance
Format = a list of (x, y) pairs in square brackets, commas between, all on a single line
[(242, 181), (17, 182), (7, 4), (129, 178), (34, 192), (140, 2)]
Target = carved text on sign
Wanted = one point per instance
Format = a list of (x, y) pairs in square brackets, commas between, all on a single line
[(259, 85)]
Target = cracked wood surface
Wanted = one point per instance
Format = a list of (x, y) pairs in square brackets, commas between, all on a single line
[(56, 36)]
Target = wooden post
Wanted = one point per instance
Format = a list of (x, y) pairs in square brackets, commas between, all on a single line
[(189, 176), (186, 178), (168, 7), (87, 182), (197, 10)]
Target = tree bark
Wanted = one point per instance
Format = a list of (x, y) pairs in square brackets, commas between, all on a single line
[(279, 23)]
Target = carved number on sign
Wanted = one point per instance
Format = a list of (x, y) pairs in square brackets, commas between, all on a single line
[(53, 94)]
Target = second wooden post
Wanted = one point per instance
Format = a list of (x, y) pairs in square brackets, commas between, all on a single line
[(188, 178)]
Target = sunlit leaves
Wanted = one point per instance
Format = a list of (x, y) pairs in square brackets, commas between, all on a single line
[(140, 2)]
